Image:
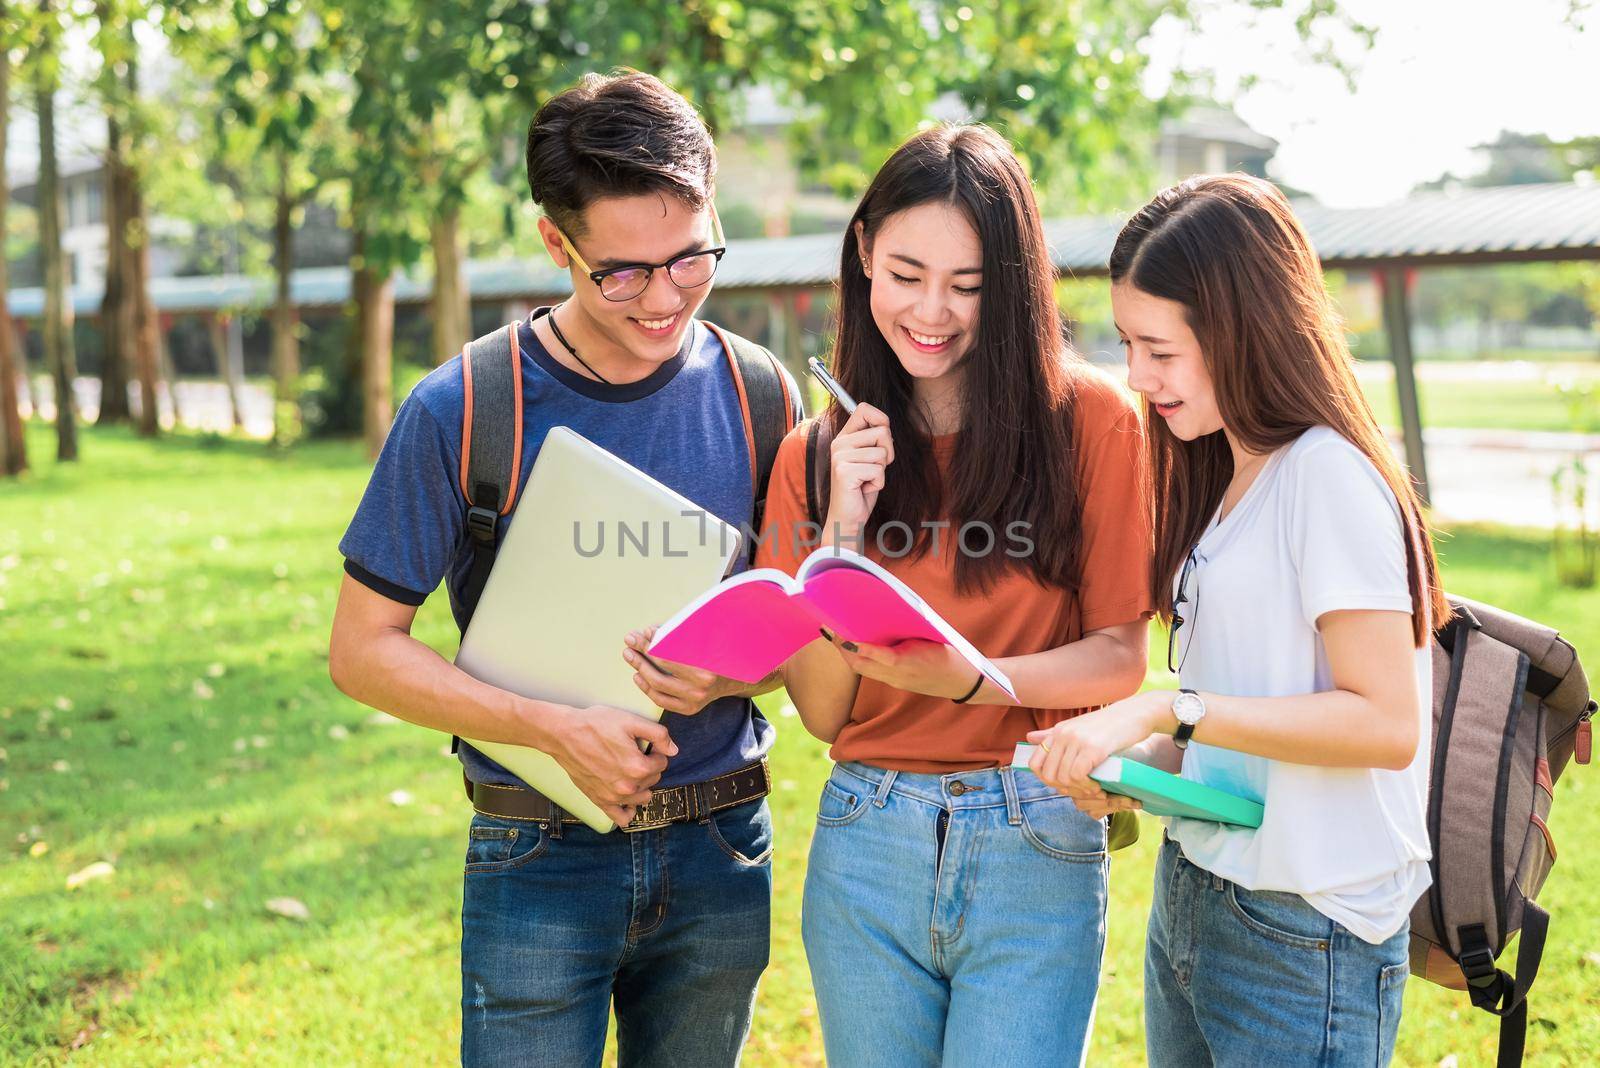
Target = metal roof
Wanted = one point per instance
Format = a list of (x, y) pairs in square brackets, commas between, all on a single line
[(1507, 224), (1500, 225), (1503, 224)]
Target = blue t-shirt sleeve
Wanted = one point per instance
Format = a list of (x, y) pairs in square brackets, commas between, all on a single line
[(409, 525)]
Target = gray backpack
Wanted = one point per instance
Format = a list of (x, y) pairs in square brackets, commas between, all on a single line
[(1510, 707)]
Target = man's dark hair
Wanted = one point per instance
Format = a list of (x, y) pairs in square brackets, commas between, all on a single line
[(617, 135)]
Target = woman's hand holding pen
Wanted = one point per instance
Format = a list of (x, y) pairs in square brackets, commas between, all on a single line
[(861, 453)]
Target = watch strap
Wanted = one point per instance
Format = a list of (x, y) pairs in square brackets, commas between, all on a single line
[(1185, 731)]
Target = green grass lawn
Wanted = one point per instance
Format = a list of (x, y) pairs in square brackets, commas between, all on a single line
[(165, 706), (1525, 400)]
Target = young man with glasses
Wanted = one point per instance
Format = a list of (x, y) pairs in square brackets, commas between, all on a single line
[(670, 920)]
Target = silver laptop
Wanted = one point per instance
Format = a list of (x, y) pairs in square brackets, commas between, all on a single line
[(595, 548)]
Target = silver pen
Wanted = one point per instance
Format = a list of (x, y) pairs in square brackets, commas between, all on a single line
[(829, 383)]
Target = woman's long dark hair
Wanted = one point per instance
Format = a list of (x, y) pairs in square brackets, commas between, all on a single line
[(1230, 250), (1014, 456)]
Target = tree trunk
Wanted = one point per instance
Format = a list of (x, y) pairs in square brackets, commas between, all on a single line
[(146, 352), (115, 322), (58, 348), (20, 332), (144, 330), (452, 309), (169, 372), (375, 340), (113, 318), (230, 364), (119, 311), (13, 446), (285, 345)]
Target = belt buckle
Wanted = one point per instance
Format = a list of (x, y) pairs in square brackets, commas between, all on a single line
[(672, 806)]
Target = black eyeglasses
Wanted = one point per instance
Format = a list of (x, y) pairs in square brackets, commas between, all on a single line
[(1178, 617), (688, 271)]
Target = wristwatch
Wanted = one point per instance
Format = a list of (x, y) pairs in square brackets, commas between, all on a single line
[(1190, 710)]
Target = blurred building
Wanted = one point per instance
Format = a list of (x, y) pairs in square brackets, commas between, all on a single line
[(1211, 140), (83, 234)]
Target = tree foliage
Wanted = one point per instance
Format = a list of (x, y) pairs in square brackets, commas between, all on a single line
[(409, 118)]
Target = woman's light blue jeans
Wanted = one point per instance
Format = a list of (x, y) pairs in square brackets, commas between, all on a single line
[(1242, 977), (953, 919)]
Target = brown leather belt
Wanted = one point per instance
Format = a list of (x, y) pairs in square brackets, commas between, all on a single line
[(675, 804)]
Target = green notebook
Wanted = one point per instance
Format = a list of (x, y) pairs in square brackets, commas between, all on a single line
[(1162, 794)]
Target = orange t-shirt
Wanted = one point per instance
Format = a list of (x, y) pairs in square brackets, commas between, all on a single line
[(891, 728)]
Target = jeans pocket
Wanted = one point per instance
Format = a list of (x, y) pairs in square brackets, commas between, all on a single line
[(744, 833), (1391, 997), (495, 844), (840, 805), (1057, 828), (1284, 918)]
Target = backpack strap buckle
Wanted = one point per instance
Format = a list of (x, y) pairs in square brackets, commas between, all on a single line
[(1486, 984), (480, 524), (1477, 965)]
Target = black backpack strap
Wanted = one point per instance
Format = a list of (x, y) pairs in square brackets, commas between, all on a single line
[(1493, 990), (769, 406), (491, 446), (1540, 682)]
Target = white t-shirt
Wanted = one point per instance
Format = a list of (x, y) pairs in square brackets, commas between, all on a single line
[(1318, 530)]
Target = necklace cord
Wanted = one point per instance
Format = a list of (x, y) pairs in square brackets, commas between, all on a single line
[(556, 329)]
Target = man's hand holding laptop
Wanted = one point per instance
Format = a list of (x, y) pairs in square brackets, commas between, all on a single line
[(602, 749)]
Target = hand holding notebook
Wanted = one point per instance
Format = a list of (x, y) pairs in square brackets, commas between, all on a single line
[(1163, 794), (748, 625)]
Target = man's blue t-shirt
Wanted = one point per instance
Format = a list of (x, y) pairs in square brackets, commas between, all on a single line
[(682, 425)]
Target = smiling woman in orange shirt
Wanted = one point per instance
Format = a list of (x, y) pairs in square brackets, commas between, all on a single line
[(955, 906)]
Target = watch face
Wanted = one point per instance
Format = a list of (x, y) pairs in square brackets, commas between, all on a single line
[(1188, 708)]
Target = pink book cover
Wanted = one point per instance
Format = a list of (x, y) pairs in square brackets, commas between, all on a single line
[(746, 626)]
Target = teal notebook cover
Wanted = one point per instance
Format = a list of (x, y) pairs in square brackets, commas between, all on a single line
[(1163, 794)]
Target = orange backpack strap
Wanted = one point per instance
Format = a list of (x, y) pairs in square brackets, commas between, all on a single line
[(769, 405), (491, 445)]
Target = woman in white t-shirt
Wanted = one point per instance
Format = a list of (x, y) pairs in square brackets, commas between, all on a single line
[(1298, 579)]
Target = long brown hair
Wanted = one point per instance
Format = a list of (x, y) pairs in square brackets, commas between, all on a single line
[(1230, 250), (1014, 456)]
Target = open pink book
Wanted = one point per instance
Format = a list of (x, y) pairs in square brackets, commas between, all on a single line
[(744, 627)]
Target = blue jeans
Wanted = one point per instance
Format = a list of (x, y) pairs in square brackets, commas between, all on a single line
[(1253, 977), (672, 924), (953, 919)]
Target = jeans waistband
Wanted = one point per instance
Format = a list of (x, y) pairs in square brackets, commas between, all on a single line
[(982, 788)]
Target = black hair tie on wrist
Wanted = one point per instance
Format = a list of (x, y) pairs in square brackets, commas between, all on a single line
[(970, 694)]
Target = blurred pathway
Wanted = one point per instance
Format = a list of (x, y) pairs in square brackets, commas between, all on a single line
[(1495, 476)]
